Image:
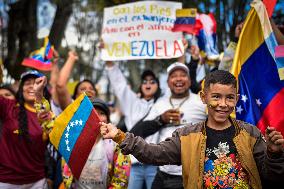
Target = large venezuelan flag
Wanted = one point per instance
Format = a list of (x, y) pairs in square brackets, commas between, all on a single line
[(75, 132), (41, 58), (261, 90)]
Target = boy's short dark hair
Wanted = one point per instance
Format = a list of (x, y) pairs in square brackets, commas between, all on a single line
[(221, 77)]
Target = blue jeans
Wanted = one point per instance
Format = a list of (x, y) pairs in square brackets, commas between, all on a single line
[(139, 173)]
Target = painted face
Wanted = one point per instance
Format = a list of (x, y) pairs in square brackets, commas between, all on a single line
[(102, 115), (88, 88), (179, 83), (149, 87), (221, 100), (7, 94), (28, 91)]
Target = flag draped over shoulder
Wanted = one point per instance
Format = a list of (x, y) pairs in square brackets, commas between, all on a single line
[(75, 132), (41, 58), (261, 91)]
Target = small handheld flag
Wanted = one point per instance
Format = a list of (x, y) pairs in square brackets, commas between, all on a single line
[(186, 21), (41, 58), (75, 131)]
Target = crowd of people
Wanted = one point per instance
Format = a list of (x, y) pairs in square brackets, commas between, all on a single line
[(184, 139)]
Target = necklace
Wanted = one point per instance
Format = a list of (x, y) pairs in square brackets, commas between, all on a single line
[(30, 108), (180, 104), (181, 114)]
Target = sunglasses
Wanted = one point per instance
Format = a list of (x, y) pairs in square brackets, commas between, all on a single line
[(152, 81)]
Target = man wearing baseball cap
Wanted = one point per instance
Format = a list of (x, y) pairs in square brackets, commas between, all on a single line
[(177, 65)]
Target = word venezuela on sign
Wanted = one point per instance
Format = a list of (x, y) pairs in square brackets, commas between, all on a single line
[(141, 30)]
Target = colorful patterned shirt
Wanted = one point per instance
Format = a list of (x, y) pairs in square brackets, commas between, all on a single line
[(222, 168)]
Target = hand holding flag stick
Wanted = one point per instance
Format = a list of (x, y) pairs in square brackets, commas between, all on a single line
[(108, 130)]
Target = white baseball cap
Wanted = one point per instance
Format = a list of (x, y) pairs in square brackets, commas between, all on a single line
[(175, 66)]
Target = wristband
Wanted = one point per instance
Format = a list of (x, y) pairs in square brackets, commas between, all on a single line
[(119, 137)]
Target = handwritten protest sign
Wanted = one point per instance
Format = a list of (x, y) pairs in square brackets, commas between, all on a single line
[(141, 30)]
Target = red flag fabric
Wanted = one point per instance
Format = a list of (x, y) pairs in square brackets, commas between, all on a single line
[(41, 58), (269, 4)]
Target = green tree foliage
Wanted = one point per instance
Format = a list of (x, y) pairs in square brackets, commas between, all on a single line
[(86, 16), (21, 35)]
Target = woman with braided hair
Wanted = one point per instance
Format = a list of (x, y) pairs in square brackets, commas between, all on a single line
[(23, 140)]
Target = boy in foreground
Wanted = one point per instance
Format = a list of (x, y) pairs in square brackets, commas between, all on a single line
[(220, 152)]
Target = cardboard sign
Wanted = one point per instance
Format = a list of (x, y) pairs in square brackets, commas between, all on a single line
[(141, 30)]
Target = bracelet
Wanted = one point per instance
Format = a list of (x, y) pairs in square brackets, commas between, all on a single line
[(44, 106), (41, 106), (119, 137)]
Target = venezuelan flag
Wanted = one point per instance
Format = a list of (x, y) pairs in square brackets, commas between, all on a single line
[(75, 132), (261, 90), (185, 21), (41, 58), (207, 40), (279, 55)]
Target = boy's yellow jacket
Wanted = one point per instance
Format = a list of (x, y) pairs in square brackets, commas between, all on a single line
[(187, 147)]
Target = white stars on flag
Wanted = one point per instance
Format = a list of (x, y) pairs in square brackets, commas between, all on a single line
[(80, 122), (244, 98), (239, 109), (69, 127), (72, 124), (246, 105), (258, 102)]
